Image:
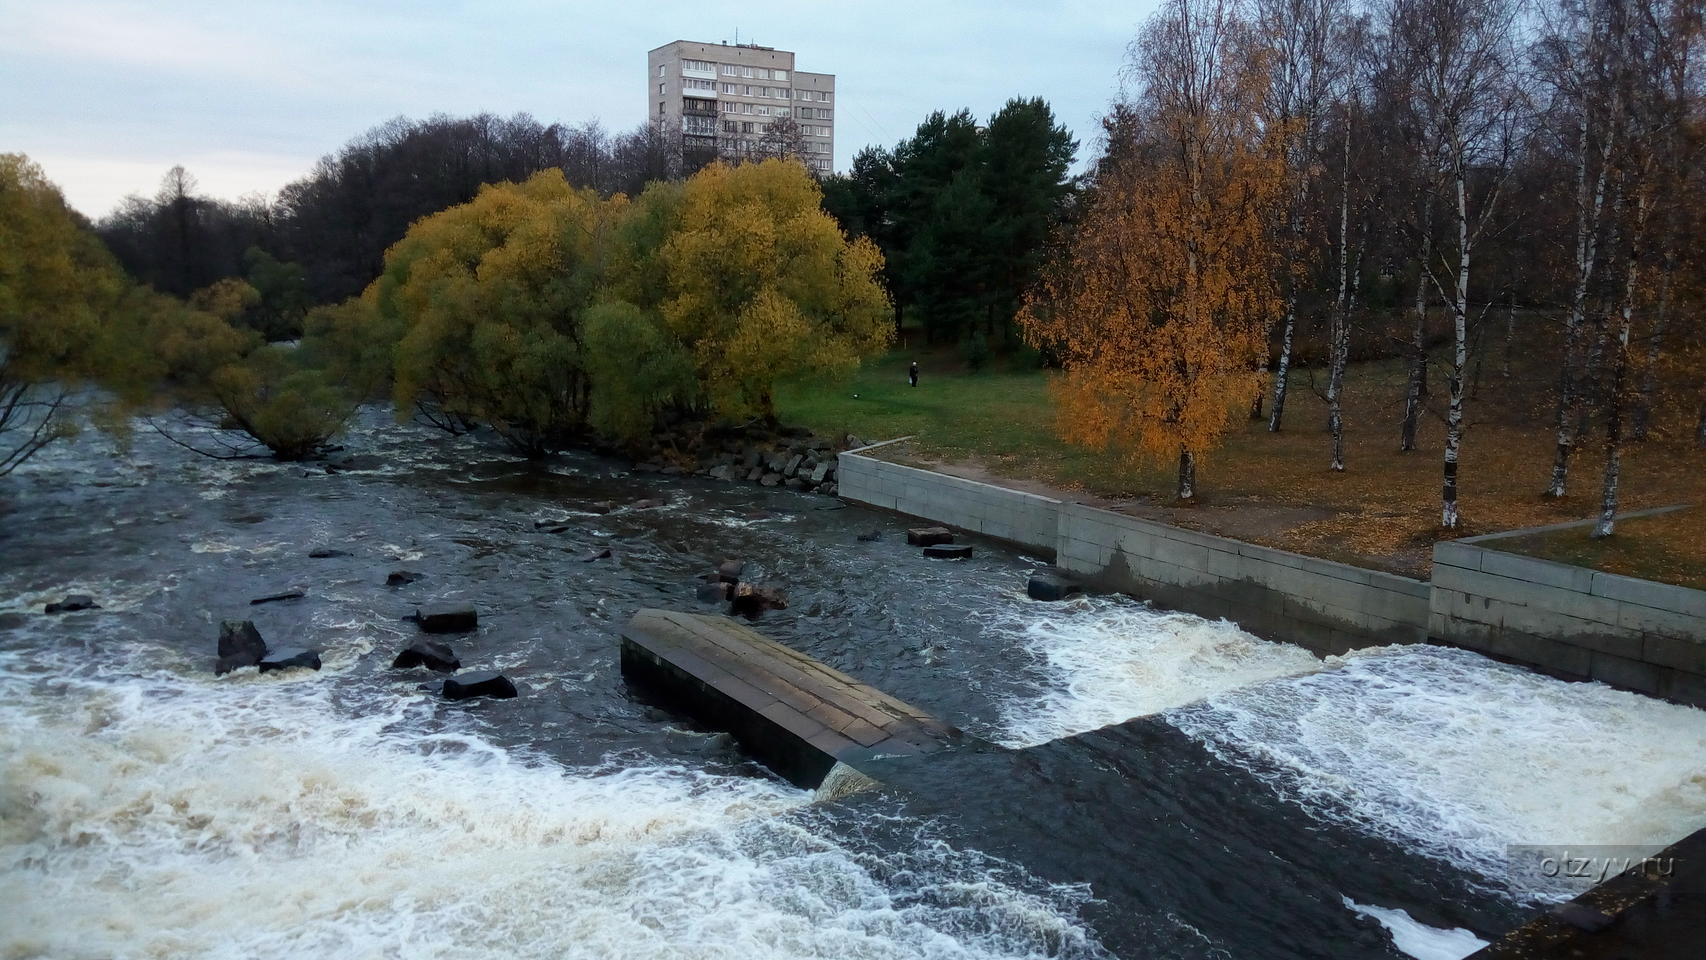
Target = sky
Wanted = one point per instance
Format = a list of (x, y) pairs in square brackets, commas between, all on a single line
[(248, 94)]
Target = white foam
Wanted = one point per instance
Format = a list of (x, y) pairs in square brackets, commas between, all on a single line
[(1105, 660), (1457, 756), (157, 815), (1418, 939)]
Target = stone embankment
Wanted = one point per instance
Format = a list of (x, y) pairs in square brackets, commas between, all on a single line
[(789, 457)]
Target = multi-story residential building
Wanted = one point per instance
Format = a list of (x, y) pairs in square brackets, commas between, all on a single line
[(742, 100)]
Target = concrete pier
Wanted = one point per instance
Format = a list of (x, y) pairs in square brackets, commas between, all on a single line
[(798, 716)]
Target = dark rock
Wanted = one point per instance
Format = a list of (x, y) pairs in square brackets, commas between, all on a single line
[(327, 553), (871, 536), (752, 459), (770, 479), (555, 528), (929, 536), (249, 518), (487, 683), (755, 473), (400, 578), (673, 470), (447, 618), (828, 489), (430, 654), (796, 483), (714, 592), (853, 442), (240, 645), (948, 552), (72, 603), (276, 597), (602, 506), (793, 465), (601, 554), (750, 600), (647, 504), (290, 657), (1051, 585), (729, 571), (823, 471)]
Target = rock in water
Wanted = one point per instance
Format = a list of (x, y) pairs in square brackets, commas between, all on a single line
[(240, 645), (729, 571), (488, 683), (290, 657), (430, 654), (713, 592), (276, 597), (326, 553), (602, 554), (1051, 585), (400, 578), (929, 536), (870, 536), (749, 600), (948, 552), (447, 618), (72, 603)]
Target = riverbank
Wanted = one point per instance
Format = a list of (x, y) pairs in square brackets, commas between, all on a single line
[(1275, 489)]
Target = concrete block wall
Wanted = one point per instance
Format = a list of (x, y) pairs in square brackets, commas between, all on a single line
[(1022, 518), (1325, 606), (1571, 621)]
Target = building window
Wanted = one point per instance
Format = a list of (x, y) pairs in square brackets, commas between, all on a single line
[(778, 74), (730, 107), (729, 126), (783, 112), (823, 96), (746, 127), (699, 85), (660, 89), (822, 114), (660, 108), (660, 69), (699, 126), (746, 71), (746, 108), (699, 66), (762, 110), (729, 70)]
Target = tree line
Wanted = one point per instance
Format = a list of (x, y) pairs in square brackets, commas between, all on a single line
[(1344, 166), (550, 314), (324, 237)]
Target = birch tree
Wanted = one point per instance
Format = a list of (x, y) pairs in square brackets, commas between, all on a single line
[(1463, 91), (1158, 310)]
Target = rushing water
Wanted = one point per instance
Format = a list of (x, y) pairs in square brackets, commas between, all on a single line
[(1157, 785)]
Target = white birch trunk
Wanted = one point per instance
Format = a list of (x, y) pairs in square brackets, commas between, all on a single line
[(1449, 518)]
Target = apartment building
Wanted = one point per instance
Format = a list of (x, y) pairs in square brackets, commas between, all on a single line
[(742, 100)]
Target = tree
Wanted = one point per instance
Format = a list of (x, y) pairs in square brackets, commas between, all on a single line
[(1463, 96), (1027, 159), (60, 307), (1158, 311), (753, 281), (487, 299)]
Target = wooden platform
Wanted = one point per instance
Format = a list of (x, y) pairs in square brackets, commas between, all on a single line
[(796, 715)]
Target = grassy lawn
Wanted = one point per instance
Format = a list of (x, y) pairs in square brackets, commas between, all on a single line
[(1652, 548), (1382, 511)]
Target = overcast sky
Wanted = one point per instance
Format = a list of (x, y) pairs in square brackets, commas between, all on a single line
[(247, 95)]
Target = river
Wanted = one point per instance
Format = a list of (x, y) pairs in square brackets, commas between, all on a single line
[(1155, 785)]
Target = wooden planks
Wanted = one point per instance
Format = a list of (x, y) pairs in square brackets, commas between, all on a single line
[(796, 714)]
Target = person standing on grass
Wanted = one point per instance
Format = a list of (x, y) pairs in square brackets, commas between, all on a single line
[(912, 373)]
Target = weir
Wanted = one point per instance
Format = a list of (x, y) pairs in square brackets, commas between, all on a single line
[(797, 715)]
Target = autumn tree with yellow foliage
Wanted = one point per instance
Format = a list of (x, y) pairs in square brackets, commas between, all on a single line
[(1158, 310)]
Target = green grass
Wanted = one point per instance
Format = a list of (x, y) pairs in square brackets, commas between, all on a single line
[(1656, 547)]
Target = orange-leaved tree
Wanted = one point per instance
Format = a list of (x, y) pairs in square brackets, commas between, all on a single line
[(1157, 310)]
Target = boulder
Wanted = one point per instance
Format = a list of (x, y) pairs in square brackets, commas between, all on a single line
[(828, 489), (327, 553), (596, 554), (755, 473), (947, 551), (750, 600), (647, 504), (290, 657), (485, 683), (553, 528), (770, 479), (793, 465), (714, 592), (276, 597), (447, 618), (870, 536), (823, 471), (796, 483), (240, 645), (401, 578), (753, 459), (72, 603), (929, 536), (729, 571), (1051, 585), (430, 654)]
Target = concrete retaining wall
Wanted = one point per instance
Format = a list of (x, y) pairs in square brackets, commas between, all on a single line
[(1328, 607), (1565, 620), (1572, 621), (1026, 519)]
